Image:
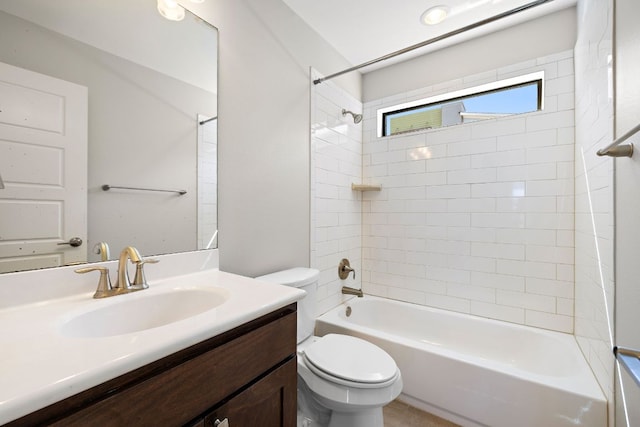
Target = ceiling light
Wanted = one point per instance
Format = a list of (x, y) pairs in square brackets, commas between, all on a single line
[(434, 15), (197, 1), (171, 10)]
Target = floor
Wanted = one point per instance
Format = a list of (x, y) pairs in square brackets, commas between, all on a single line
[(398, 414)]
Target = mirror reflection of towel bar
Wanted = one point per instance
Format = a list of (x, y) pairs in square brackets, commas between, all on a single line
[(1, 183), (108, 187)]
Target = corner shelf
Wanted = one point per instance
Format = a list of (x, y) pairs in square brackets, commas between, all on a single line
[(365, 187)]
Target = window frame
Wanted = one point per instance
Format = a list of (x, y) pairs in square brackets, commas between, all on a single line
[(505, 84)]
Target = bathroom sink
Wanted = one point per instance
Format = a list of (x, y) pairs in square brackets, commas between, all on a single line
[(145, 312)]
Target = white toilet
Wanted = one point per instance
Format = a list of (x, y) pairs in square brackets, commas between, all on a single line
[(343, 381)]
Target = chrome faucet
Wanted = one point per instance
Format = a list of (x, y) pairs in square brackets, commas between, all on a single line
[(352, 291)]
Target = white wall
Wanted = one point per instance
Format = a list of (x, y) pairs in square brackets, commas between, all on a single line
[(537, 38), (594, 191), (264, 147), (477, 218), (627, 198), (336, 210)]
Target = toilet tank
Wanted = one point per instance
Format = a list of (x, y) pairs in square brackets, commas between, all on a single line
[(307, 280)]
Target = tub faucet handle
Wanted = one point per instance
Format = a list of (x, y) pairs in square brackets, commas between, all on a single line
[(344, 268)]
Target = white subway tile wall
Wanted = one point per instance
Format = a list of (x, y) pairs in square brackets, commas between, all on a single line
[(336, 210), (207, 184), (594, 192), (477, 218)]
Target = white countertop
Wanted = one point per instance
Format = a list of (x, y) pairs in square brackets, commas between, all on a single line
[(40, 366)]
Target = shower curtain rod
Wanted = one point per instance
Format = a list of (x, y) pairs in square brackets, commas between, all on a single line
[(436, 39)]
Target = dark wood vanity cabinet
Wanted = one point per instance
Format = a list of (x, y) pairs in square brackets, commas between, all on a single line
[(246, 376), (262, 404)]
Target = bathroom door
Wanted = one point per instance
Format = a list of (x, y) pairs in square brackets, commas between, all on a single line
[(43, 167)]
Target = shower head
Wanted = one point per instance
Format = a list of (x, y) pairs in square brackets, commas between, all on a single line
[(357, 118)]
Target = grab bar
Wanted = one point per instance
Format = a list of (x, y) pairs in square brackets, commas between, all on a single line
[(615, 149), (630, 359), (108, 187)]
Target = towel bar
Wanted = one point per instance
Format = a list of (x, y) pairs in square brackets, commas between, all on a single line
[(108, 187), (630, 359)]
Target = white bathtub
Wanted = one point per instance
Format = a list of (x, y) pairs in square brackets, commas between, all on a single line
[(475, 371)]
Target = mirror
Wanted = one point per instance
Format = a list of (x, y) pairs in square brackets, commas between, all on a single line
[(149, 126)]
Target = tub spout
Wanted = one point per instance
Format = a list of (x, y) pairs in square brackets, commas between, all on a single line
[(352, 291)]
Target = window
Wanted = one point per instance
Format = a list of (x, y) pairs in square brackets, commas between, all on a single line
[(498, 99)]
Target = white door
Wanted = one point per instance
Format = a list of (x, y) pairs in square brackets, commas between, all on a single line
[(43, 166)]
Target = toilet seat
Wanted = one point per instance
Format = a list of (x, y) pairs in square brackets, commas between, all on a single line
[(350, 361), (332, 378)]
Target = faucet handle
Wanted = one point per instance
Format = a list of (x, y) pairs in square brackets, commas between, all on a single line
[(140, 281), (104, 283), (344, 268)]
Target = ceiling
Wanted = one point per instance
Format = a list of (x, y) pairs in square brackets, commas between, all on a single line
[(362, 30), (115, 28)]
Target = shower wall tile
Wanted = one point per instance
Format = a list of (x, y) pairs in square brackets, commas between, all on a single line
[(594, 193), (477, 218), (496, 311), (336, 210), (207, 185)]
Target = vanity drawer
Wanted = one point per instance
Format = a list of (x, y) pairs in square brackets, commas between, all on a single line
[(184, 386)]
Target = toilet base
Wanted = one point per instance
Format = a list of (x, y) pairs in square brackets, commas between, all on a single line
[(333, 402), (370, 418), (313, 413), (363, 418)]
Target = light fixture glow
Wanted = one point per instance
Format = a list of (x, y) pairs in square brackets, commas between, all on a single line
[(197, 1), (171, 10), (434, 15)]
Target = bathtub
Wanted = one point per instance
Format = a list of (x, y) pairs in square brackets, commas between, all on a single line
[(475, 371)]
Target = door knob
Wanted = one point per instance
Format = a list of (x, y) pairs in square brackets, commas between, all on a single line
[(74, 242)]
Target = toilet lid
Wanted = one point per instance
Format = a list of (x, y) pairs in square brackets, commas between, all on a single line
[(351, 358)]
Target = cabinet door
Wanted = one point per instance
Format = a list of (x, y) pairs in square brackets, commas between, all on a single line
[(270, 402)]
